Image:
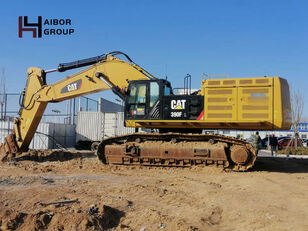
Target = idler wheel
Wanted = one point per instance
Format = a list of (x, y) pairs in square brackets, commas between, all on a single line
[(239, 154)]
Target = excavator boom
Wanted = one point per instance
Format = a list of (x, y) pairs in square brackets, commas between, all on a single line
[(106, 72)]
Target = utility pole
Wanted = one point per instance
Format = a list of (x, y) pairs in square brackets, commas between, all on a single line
[(2, 96)]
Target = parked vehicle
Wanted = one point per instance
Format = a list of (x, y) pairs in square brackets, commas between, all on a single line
[(264, 141), (284, 142), (283, 137), (305, 142)]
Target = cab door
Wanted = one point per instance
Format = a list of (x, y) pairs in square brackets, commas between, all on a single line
[(137, 101), (154, 100)]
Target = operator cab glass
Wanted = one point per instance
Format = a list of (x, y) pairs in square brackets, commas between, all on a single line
[(154, 93), (144, 98), (167, 89), (137, 99), (137, 94)]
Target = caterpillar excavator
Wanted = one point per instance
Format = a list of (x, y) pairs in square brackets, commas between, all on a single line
[(178, 120)]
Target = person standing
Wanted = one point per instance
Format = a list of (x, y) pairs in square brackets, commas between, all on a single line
[(256, 140), (273, 143)]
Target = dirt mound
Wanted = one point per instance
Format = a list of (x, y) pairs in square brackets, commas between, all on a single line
[(61, 218), (47, 155)]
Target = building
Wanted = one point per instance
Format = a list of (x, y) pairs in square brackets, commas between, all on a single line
[(108, 106)]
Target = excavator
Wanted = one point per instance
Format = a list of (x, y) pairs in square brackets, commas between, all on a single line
[(177, 121)]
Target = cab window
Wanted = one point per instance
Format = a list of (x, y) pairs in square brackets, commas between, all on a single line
[(167, 90), (154, 93), (137, 94)]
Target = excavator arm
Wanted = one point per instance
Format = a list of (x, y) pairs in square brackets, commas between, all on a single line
[(106, 72)]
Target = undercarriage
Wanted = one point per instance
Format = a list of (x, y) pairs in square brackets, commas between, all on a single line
[(176, 149)]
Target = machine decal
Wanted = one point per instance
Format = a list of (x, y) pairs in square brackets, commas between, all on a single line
[(201, 116), (74, 86), (140, 111), (182, 107), (178, 104), (155, 112), (176, 114)]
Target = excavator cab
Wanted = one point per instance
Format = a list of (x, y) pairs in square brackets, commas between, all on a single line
[(155, 100), (144, 98)]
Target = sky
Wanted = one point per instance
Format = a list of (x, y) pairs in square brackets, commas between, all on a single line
[(241, 38)]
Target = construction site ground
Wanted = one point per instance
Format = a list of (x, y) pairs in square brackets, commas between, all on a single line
[(74, 191)]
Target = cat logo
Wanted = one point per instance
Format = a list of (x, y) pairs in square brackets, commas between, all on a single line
[(74, 86), (178, 104)]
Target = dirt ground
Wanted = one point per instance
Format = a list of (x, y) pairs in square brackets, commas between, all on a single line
[(80, 193)]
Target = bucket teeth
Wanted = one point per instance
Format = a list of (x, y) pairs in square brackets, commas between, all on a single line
[(9, 148)]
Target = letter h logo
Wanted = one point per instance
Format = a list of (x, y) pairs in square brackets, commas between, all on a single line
[(37, 32)]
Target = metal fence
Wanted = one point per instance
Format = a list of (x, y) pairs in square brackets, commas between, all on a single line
[(62, 112), (47, 136)]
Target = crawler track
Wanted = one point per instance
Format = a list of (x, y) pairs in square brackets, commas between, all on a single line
[(175, 149)]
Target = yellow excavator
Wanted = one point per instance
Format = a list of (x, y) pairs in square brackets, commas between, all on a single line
[(177, 122)]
